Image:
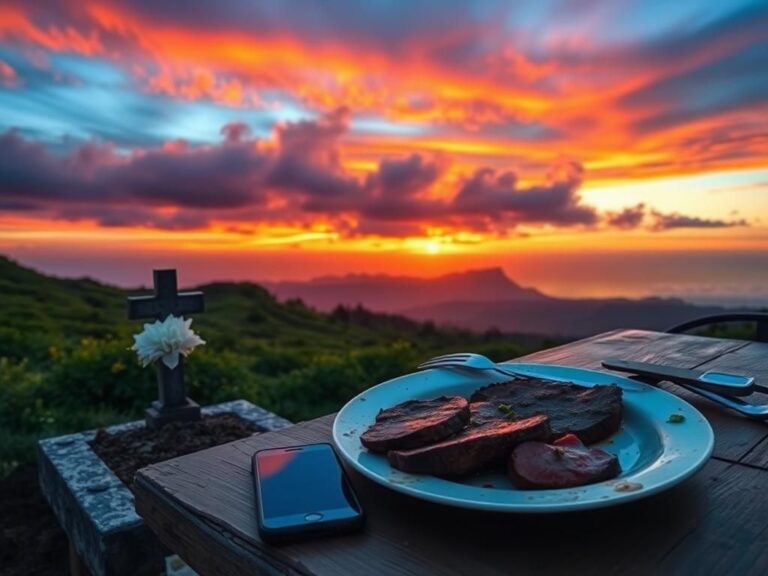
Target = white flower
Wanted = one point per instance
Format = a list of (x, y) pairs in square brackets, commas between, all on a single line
[(166, 340)]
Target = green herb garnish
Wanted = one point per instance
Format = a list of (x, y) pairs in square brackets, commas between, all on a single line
[(558, 452), (507, 410), (676, 419)]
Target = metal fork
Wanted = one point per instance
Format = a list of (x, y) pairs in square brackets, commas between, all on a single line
[(469, 361), (479, 362)]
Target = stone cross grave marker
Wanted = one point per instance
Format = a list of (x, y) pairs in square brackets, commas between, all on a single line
[(172, 403)]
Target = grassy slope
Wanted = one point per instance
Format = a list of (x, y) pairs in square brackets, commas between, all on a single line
[(65, 363), (238, 315)]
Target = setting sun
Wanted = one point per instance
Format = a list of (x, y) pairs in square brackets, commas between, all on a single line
[(250, 133), (432, 247), (335, 192)]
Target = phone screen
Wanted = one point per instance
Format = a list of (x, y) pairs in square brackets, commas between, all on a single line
[(302, 485)]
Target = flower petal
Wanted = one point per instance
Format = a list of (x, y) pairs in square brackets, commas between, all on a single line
[(166, 340)]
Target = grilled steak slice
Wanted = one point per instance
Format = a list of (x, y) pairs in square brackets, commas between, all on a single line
[(472, 449), (416, 423), (591, 413), (562, 464)]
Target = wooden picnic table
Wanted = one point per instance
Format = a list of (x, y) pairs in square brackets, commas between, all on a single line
[(202, 505)]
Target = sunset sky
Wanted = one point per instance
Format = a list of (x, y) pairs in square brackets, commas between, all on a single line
[(588, 147)]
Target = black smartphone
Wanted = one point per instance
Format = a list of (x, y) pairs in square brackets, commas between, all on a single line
[(302, 491)]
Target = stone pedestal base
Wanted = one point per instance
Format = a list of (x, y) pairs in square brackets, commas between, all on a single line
[(158, 415), (95, 508)]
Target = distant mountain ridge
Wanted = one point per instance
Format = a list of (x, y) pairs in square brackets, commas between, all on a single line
[(486, 298), (395, 293), (478, 300), (239, 315)]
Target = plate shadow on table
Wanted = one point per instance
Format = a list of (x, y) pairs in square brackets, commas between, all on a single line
[(543, 541)]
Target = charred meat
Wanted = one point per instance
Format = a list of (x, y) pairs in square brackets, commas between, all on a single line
[(472, 449), (416, 423), (592, 414)]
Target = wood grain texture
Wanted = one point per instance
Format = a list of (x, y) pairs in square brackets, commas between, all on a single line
[(758, 456), (751, 360), (202, 506), (730, 535), (673, 349), (217, 485)]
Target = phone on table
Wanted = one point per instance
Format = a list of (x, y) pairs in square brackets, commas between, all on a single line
[(302, 491)]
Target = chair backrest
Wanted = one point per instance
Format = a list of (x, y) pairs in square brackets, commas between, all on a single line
[(759, 318)]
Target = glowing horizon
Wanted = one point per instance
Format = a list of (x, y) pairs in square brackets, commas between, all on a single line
[(480, 128)]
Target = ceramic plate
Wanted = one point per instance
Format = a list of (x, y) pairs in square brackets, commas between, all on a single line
[(654, 453)]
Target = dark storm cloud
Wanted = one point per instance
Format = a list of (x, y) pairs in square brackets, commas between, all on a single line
[(670, 221), (116, 215), (634, 217), (180, 186), (218, 176), (628, 218), (28, 172), (557, 202), (235, 132), (232, 175), (403, 177), (309, 162), (393, 192)]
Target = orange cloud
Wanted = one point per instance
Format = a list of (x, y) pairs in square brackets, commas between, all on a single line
[(492, 108), (16, 25)]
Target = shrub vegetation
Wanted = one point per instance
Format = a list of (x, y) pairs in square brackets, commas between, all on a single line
[(65, 363)]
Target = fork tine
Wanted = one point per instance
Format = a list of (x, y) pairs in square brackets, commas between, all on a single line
[(456, 356), (439, 363), (436, 366)]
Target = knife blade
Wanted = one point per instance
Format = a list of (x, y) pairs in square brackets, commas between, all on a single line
[(711, 380)]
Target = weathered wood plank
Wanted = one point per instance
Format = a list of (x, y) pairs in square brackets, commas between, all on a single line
[(746, 442), (202, 505), (639, 538), (735, 436), (674, 349), (758, 456), (730, 536), (218, 484), (205, 545)]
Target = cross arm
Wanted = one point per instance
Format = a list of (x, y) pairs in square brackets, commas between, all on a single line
[(151, 307)]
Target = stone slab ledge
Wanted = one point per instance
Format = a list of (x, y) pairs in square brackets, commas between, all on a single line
[(96, 509)]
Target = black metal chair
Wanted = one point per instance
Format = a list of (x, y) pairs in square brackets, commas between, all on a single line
[(759, 318)]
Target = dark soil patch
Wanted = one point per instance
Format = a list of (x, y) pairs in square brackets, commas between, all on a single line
[(31, 541), (126, 452)]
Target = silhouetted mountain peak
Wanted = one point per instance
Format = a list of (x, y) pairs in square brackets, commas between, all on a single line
[(483, 276), (495, 277), (393, 293)]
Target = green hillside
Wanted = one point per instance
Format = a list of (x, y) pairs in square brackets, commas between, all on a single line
[(65, 363)]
